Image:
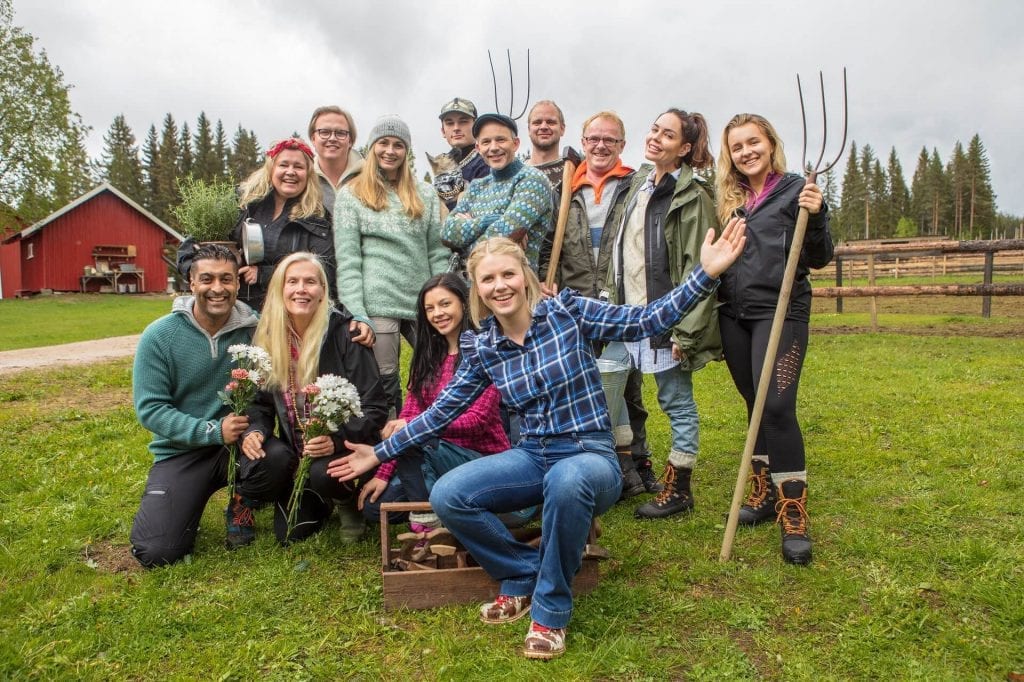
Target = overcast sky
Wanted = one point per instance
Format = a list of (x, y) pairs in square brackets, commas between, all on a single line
[(920, 73)]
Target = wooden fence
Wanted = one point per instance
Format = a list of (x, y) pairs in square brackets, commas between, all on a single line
[(931, 258)]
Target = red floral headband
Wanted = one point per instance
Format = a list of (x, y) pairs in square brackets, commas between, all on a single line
[(290, 143)]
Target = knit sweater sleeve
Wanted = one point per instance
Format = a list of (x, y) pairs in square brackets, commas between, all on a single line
[(460, 231), (348, 249), (153, 384)]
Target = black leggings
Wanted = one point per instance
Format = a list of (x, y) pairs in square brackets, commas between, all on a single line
[(745, 343)]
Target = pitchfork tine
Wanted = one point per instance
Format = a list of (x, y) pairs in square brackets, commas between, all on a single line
[(824, 123), (803, 122), (511, 85), (842, 147)]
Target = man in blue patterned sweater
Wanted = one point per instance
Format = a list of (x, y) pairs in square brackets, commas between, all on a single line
[(513, 201)]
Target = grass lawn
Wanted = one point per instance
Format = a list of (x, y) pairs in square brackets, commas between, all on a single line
[(914, 445), (49, 320)]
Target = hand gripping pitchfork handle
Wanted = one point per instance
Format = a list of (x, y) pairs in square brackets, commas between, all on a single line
[(780, 315), (571, 159)]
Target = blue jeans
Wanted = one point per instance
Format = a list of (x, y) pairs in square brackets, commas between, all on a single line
[(675, 396), (575, 476)]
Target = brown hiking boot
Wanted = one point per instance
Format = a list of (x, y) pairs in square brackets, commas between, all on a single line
[(505, 609), (760, 503), (676, 498), (792, 517)]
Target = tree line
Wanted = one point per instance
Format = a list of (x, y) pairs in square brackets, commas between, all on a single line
[(150, 174), (953, 198)]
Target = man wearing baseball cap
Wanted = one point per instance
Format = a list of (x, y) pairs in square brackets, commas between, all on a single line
[(513, 201), (457, 118)]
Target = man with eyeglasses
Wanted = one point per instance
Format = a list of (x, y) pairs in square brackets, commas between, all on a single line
[(450, 180), (333, 134), (513, 201), (599, 189)]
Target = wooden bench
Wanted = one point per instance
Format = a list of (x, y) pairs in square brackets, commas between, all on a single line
[(454, 585)]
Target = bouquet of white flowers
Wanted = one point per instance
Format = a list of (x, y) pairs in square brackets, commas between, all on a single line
[(329, 403)]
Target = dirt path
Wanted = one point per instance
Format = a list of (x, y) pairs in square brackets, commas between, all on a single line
[(79, 353)]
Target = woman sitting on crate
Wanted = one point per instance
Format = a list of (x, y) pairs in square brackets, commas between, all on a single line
[(442, 316), (537, 353), (306, 337)]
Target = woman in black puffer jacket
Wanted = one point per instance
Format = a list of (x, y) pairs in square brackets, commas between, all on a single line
[(752, 181)]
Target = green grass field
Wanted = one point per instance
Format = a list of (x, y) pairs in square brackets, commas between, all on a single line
[(914, 448), (49, 320)]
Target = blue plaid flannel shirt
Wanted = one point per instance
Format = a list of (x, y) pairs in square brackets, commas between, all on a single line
[(551, 380)]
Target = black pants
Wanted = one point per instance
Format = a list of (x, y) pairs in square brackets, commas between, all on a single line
[(745, 343), (634, 398), (178, 488)]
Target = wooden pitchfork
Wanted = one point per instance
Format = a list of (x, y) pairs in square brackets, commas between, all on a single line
[(783, 305)]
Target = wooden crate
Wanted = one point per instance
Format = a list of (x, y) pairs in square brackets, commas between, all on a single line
[(431, 588)]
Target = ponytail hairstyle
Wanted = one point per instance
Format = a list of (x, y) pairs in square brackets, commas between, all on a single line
[(729, 181), (695, 132), (431, 348)]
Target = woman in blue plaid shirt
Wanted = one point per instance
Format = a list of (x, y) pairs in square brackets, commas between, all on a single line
[(537, 353)]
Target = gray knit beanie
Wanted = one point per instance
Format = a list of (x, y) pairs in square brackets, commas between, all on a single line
[(390, 126)]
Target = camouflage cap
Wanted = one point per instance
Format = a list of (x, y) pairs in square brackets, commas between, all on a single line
[(459, 105)]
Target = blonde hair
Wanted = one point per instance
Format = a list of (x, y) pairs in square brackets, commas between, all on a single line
[(333, 109), (272, 330), (258, 186), (372, 189), (731, 194), (611, 116), (499, 246)]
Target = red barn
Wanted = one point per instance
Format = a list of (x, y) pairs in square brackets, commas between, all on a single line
[(103, 241)]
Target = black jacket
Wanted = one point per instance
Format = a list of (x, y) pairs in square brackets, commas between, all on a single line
[(750, 287), (343, 358), (281, 238)]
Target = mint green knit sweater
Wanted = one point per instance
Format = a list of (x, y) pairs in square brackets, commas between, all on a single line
[(179, 369), (385, 257)]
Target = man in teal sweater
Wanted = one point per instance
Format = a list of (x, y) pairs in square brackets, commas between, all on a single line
[(180, 364), (514, 201)]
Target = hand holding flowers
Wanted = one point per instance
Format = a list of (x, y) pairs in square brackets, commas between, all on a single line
[(246, 379)]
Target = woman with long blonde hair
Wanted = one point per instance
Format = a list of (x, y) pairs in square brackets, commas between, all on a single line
[(283, 197), (753, 182), (307, 337), (387, 237), (537, 353)]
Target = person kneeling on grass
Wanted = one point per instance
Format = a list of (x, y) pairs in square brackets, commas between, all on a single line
[(180, 365), (307, 337), (537, 353)]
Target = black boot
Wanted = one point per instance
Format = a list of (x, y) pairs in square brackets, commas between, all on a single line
[(632, 485), (760, 503), (676, 498), (647, 475), (792, 510)]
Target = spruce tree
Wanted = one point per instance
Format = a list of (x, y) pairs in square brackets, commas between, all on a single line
[(119, 163), (851, 222), (186, 158), (867, 167), (920, 200), (151, 169), (883, 223), (899, 195), (981, 198), (167, 170), (207, 166), (245, 156), (959, 181), (221, 150)]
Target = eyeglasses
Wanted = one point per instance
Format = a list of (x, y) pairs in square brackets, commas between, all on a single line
[(327, 133), (595, 140)]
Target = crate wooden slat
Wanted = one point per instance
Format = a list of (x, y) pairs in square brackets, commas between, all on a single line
[(432, 588)]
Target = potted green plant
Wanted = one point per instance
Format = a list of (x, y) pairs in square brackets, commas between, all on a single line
[(208, 210)]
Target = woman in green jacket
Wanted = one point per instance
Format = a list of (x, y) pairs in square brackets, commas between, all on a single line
[(668, 213)]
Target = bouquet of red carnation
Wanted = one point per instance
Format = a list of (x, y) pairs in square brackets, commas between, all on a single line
[(329, 403)]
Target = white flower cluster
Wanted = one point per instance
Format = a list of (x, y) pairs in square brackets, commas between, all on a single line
[(252, 358), (336, 401)]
